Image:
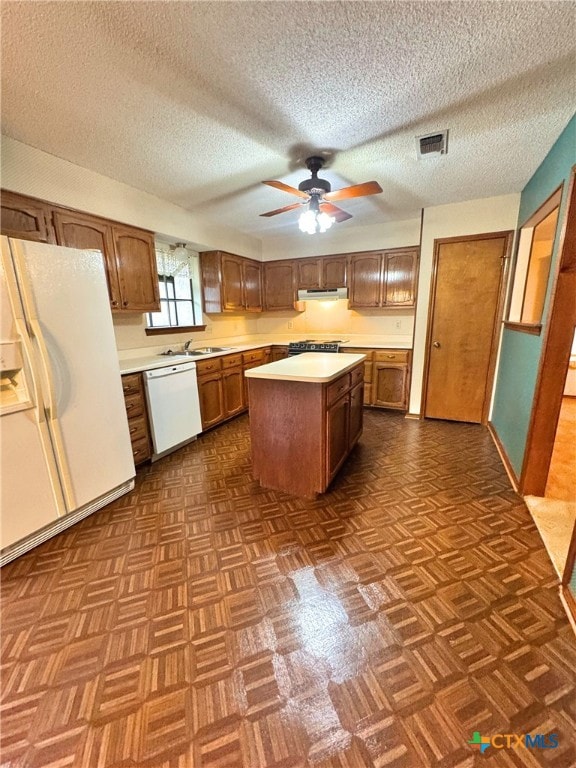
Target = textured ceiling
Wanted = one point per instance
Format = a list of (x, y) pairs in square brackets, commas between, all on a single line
[(197, 102)]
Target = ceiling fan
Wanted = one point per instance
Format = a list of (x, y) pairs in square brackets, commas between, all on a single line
[(317, 195)]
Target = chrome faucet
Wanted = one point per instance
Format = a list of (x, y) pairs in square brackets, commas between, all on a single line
[(187, 344)]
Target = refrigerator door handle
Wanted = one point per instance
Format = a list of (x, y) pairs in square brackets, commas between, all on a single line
[(47, 386)]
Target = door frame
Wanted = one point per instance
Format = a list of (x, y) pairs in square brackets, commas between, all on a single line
[(508, 235), (554, 358)]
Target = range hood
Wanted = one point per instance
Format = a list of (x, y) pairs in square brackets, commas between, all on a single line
[(313, 294)]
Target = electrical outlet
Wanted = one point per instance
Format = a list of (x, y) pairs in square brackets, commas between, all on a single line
[(398, 324), (290, 324)]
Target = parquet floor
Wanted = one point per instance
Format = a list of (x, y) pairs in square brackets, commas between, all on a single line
[(203, 622)]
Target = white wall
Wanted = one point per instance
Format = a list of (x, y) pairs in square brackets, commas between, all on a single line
[(492, 214), (346, 239), (38, 174)]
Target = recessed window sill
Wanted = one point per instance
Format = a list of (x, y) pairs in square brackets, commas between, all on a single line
[(534, 329), (166, 329)]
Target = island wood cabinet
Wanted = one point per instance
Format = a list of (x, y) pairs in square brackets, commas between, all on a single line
[(135, 401), (129, 253), (302, 432), (230, 283), (384, 279), (386, 377), (279, 352)]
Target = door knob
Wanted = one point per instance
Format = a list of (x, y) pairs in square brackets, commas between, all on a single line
[(437, 344)]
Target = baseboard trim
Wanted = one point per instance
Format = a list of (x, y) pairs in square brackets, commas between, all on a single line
[(504, 456), (569, 603)]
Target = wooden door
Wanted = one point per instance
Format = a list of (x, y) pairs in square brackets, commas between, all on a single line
[(211, 399), (400, 270), (356, 413), (137, 271), (232, 293), (465, 311), (252, 286), (366, 280), (279, 285), (75, 230), (25, 218), (337, 423), (334, 272), (233, 391), (308, 273), (390, 385)]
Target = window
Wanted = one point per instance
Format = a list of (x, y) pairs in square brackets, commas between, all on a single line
[(179, 284), (533, 261)]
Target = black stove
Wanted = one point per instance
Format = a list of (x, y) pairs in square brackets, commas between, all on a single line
[(313, 345)]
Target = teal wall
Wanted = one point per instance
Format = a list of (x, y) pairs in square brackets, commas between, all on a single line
[(520, 353)]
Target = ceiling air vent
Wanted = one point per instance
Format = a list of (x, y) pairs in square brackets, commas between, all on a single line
[(432, 144)]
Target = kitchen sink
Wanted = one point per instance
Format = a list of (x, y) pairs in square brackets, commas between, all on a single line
[(195, 352)]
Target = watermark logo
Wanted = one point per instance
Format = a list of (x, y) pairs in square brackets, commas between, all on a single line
[(514, 741), (482, 741)]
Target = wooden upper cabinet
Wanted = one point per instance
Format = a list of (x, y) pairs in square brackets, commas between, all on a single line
[(129, 252), (384, 279), (26, 218), (366, 280), (230, 283), (252, 275), (308, 273), (400, 274), (76, 230), (137, 271), (321, 272), (279, 285), (334, 272)]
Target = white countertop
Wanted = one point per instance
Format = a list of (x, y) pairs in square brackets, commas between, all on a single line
[(150, 361), (316, 367)]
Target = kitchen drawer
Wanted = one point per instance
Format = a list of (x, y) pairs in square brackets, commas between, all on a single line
[(337, 388), (231, 361), (257, 355), (208, 366), (392, 356), (357, 351), (131, 384), (138, 428), (357, 375), (134, 405), (140, 450)]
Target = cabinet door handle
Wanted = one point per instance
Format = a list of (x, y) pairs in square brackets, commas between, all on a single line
[(124, 303), (129, 407), (133, 429), (437, 344), (114, 303)]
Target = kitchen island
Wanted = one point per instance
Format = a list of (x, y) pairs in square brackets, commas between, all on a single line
[(305, 417)]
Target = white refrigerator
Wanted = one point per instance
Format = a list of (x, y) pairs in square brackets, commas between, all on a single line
[(64, 442)]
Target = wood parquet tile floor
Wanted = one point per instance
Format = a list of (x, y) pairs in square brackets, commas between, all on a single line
[(205, 622)]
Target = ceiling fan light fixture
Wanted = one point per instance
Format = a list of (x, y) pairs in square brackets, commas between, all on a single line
[(314, 221)]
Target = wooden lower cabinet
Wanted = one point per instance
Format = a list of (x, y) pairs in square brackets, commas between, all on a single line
[(233, 391), (211, 396), (278, 353), (222, 387), (133, 388), (337, 428), (386, 377)]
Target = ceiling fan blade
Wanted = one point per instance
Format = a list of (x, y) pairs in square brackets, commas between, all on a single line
[(286, 188), (358, 190), (333, 210), (281, 210)]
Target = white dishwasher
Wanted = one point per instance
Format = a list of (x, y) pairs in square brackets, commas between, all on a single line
[(173, 406)]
